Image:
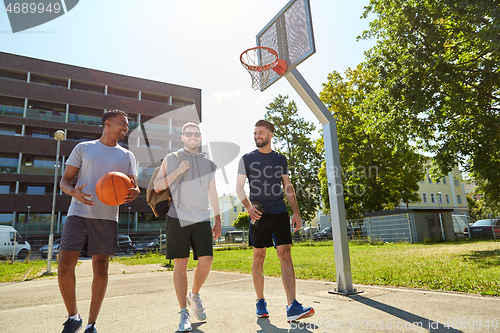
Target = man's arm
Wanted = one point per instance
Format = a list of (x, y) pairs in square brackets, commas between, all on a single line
[(253, 212), (162, 180), (292, 201), (66, 185), (214, 202)]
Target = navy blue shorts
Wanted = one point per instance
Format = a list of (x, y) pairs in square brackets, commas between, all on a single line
[(91, 236), (271, 230)]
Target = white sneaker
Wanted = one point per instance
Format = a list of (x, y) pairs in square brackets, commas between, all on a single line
[(196, 305), (185, 323)]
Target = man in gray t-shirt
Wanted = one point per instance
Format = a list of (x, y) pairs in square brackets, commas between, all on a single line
[(192, 185), (91, 226)]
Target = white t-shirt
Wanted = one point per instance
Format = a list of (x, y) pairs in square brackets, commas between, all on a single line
[(95, 159)]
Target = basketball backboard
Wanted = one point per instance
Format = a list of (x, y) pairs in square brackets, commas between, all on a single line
[(290, 33)]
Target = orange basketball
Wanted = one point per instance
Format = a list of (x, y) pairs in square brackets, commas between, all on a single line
[(112, 188)]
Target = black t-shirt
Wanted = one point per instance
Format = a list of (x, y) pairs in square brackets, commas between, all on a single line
[(264, 173)]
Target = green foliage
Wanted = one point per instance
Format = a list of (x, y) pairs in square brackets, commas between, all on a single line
[(379, 167), (482, 208), (438, 66), (292, 139), (242, 221)]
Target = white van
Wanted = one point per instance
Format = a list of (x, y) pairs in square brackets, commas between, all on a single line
[(11, 241)]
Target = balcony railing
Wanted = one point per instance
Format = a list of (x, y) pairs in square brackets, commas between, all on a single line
[(39, 170), (12, 111), (8, 167), (85, 120), (156, 128), (46, 115)]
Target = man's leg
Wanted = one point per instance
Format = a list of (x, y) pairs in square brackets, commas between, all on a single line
[(100, 264), (181, 280), (201, 272), (259, 255), (67, 281), (287, 271)]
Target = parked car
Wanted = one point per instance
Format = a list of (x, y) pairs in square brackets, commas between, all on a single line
[(308, 232), (482, 229), (44, 250), (11, 242), (151, 243), (125, 243), (327, 234)]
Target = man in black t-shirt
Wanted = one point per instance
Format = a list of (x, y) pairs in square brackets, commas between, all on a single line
[(267, 172)]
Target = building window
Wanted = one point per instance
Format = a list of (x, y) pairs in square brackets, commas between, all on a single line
[(444, 180), (433, 198), (424, 197), (459, 199), (235, 209), (38, 190), (440, 198), (242, 209), (4, 189), (429, 178), (447, 196), (456, 181)]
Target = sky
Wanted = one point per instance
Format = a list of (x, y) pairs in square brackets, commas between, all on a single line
[(196, 43)]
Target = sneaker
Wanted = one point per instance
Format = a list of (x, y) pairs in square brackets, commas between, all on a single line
[(91, 329), (185, 323), (297, 311), (262, 308), (72, 325), (196, 305)]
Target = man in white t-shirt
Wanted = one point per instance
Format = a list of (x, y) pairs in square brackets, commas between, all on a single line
[(91, 226)]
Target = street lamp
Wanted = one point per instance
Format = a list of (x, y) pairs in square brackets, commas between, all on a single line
[(128, 223), (59, 136), (27, 220)]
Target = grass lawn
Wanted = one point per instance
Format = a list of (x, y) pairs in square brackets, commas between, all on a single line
[(466, 266), (21, 271)]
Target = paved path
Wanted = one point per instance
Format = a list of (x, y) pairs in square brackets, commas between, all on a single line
[(142, 299)]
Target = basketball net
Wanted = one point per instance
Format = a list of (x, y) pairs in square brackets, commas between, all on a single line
[(259, 61)]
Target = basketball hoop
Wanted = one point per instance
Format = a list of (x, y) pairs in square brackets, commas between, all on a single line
[(259, 61)]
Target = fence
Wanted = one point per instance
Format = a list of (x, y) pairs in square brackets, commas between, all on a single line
[(389, 228)]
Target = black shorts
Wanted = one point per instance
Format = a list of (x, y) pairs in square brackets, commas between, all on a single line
[(198, 236), (271, 230), (91, 236)]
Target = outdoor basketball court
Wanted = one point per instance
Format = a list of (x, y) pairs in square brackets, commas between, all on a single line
[(141, 299)]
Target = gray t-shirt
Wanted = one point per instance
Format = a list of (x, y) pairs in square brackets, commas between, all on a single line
[(190, 194), (95, 159)]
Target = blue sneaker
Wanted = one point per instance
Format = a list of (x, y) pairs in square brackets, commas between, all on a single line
[(91, 329), (297, 311), (73, 325), (262, 308)]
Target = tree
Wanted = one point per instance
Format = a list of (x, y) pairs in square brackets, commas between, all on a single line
[(242, 221), (292, 139), (379, 166), (438, 66)]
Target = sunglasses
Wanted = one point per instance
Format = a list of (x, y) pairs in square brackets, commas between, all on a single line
[(190, 134)]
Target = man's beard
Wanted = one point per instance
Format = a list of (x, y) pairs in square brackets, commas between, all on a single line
[(263, 143)]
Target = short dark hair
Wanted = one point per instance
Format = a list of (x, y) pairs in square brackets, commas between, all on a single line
[(190, 124), (266, 124), (111, 114)]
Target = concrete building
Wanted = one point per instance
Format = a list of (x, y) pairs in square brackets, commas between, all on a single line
[(38, 97), (231, 207), (448, 192)]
